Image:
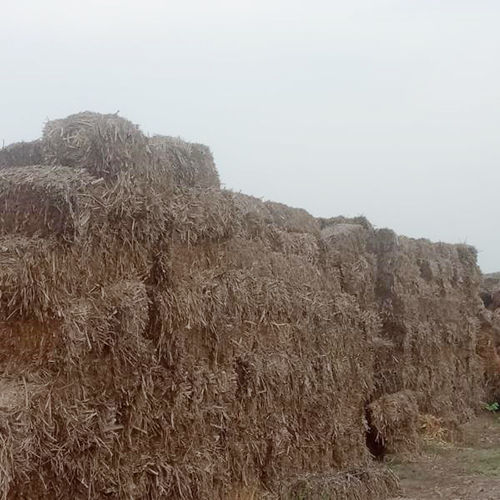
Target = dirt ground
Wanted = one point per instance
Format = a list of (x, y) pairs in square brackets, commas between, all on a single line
[(467, 469)]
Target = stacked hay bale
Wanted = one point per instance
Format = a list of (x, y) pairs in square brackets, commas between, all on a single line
[(21, 154), (166, 339), (428, 296), (489, 335), (490, 291), (425, 299), (191, 165), (488, 348), (171, 339)]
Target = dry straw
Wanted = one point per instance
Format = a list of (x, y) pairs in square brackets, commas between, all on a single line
[(164, 338)]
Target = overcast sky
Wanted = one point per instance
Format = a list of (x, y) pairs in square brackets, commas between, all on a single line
[(386, 108)]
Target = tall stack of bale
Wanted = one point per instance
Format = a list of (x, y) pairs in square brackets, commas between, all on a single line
[(425, 297), (163, 338), (489, 335), (428, 303)]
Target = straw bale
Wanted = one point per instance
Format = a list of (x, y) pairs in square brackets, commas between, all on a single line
[(259, 222), (28, 343), (428, 295), (358, 484), (488, 348), (255, 313), (21, 154), (18, 391), (43, 201), (30, 269), (394, 419), (203, 215), (349, 259), (103, 144), (293, 220), (113, 318), (189, 164)]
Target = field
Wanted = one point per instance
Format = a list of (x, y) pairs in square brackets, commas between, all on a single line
[(468, 469)]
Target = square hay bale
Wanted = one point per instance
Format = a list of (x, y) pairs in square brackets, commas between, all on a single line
[(18, 445), (28, 344), (104, 144), (32, 273), (43, 201), (190, 165), (293, 220), (21, 154), (200, 215), (488, 348), (349, 259), (112, 318), (393, 421)]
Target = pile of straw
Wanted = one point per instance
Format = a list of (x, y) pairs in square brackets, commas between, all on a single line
[(363, 484), (163, 338)]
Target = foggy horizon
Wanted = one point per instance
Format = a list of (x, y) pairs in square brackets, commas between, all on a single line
[(386, 109)]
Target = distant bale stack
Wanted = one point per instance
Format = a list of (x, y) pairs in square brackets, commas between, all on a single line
[(105, 145), (189, 164), (428, 295), (488, 348), (490, 291), (21, 154)]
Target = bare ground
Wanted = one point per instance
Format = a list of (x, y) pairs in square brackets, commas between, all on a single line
[(467, 469)]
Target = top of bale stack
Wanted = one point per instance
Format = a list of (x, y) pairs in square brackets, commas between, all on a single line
[(108, 145), (21, 154), (103, 144), (189, 164)]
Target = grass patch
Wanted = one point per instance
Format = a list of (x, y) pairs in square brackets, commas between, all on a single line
[(485, 462)]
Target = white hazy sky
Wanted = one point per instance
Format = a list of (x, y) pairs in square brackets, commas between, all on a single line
[(386, 108)]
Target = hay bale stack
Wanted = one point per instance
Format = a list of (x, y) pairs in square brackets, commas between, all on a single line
[(186, 341), (189, 164), (428, 294), (21, 154), (488, 348), (171, 322), (490, 291)]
